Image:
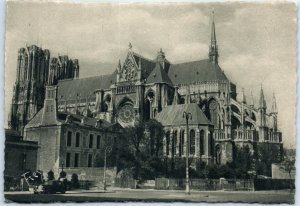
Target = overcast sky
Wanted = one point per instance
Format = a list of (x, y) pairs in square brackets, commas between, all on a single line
[(257, 42)]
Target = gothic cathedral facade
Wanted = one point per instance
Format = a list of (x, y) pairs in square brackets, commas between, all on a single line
[(140, 89)]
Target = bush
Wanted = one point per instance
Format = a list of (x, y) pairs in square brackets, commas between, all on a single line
[(74, 181), (62, 174), (50, 175)]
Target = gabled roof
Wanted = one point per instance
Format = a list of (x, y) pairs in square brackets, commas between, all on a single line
[(196, 71), (158, 75), (36, 120), (173, 115), (147, 65), (76, 119), (68, 89)]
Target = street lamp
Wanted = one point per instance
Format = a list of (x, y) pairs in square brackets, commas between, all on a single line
[(107, 149), (187, 116)]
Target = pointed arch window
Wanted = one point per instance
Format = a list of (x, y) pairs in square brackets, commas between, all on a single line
[(192, 142), (174, 143), (167, 143), (202, 142), (181, 143)]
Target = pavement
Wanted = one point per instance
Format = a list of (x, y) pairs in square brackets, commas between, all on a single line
[(150, 195)]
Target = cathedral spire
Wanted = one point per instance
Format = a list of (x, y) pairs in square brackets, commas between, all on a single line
[(274, 105), (251, 100), (213, 48), (188, 95), (119, 66), (262, 101), (244, 97)]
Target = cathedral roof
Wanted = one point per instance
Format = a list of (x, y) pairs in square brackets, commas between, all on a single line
[(172, 115), (69, 89), (158, 75), (196, 71), (147, 65)]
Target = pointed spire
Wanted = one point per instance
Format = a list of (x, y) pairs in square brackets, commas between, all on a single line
[(140, 63), (130, 46), (188, 95), (66, 104), (274, 105), (251, 100), (175, 99), (213, 49), (244, 97), (262, 101), (213, 29), (119, 66), (199, 97)]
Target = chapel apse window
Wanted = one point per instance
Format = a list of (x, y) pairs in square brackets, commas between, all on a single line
[(192, 142), (69, 138), (181, 143), (167, 143), (202, 142), (174, 143)]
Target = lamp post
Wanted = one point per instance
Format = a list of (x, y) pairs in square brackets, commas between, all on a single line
[(107, 149), (187, 116)]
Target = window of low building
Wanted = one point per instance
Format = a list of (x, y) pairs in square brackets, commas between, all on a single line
[(90, 158), (76, 160), (69, 138), (68, 159), (91, 141), (98, 141), (77, 139)]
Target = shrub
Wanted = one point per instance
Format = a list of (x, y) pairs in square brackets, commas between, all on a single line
[(62, 174), (50, 175), (74, 181)]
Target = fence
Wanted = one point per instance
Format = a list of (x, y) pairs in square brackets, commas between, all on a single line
[(273, 184), (205, 184), (125, 183)]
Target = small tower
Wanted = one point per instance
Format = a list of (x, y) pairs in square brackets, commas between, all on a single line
[(251, 101), (274, 113), (213, 48), (118, 69), (262, 116), (49, 115), (244, 98)]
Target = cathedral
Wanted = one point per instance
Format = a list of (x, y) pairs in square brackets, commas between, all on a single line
[(140, 89), (33, 65)]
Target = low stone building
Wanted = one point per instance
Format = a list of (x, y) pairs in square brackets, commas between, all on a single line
[(20, 156), (67, 140)]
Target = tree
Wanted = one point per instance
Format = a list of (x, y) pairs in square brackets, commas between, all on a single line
[(140, 150), (288, 165), (265, 156)]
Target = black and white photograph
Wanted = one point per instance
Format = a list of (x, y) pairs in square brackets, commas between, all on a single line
[(150, 102)]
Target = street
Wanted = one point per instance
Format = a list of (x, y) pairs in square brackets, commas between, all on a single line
[(154, 195)]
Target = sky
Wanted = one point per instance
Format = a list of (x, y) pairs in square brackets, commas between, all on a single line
[(256, 41)]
